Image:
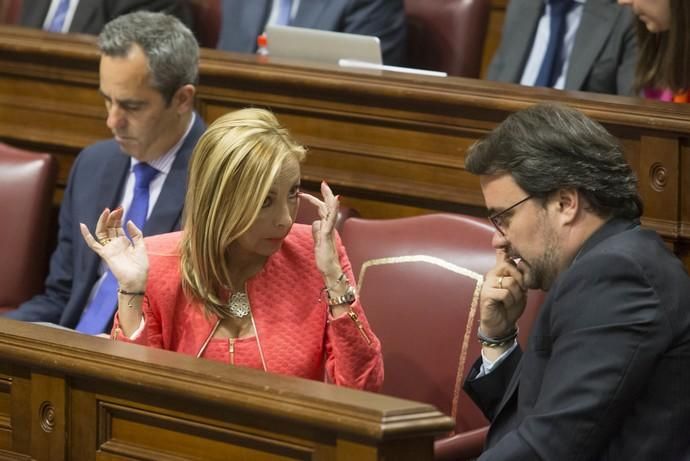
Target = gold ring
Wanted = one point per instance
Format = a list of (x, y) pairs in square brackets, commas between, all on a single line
[(105, 241), (500, 282)]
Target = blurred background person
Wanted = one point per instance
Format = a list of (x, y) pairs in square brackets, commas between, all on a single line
[(243, 21), (663, 34), (89, 16), (586, 45), (241, 283)]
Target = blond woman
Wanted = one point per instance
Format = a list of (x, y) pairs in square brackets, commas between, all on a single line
[(243, 284)]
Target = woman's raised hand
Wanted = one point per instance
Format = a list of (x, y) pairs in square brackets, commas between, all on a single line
[(324, 241), (126, 259)]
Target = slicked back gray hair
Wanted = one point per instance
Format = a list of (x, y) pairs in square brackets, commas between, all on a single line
[(549, 147), (171, 49)]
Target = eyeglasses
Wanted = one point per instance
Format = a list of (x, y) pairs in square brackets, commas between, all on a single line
[(498, 219)]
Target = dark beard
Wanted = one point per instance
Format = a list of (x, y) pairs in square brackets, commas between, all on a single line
[(540, 273)]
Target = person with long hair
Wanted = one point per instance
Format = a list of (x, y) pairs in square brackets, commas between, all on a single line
[(663, 34), (242, 283)]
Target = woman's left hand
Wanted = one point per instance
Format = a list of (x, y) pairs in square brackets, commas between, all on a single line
[(325, 251)]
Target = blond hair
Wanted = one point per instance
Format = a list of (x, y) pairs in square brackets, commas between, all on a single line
[(231, 172)]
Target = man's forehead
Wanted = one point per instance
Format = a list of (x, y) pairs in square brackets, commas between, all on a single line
[(133, 64), (125, 81), (499, 189)]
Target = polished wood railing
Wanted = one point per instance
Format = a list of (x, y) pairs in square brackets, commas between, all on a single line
[(68, 396)]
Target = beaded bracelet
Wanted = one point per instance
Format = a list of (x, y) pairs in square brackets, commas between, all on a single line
[(496, 342)]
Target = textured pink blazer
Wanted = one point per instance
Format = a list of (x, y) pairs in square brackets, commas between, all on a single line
[(297, 337)]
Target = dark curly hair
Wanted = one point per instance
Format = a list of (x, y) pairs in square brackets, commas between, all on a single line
[(549, 147)]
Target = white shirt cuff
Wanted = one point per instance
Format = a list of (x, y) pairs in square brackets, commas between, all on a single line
[(488, 365)]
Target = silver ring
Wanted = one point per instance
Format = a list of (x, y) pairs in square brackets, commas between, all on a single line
[(500, 282)]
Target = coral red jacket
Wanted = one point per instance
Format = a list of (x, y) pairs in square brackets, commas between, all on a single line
[(291, 316)]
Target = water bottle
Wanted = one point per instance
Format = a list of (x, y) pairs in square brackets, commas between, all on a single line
[(262, 45)]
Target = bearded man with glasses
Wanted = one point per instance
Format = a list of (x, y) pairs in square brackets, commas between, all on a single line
[(608, 359)]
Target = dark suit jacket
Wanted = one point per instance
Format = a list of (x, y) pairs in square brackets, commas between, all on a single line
[(91, 15), (604, 53), (606, 372), (244, 20), (96, 182)]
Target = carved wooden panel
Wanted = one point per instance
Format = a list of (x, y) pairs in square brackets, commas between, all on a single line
[(92, 398), (48, 410), (659, 175), (5, 412)]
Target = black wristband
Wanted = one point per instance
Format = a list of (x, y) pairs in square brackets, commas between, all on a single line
[(497, 342)]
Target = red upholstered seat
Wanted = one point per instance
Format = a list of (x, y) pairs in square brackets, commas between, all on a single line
[(26, 190), (207, 21), (447, 35), (419, 279), (9, 11)]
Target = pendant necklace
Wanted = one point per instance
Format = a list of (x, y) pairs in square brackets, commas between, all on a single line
[(238, 305)]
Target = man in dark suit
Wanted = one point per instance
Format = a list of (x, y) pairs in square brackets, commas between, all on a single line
[(148, 73), (243, 21), (89, 16), (597, 52), (606, 369)]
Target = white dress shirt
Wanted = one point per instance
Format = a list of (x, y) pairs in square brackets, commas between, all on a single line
[(541, 40), (275, 9), (487, 365), (163, 164)]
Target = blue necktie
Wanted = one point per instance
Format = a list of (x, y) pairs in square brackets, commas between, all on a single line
[(101, 310), (553, 62), (283, 18), (59, 17)]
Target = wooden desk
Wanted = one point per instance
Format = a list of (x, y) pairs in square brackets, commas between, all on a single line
[(67, 396), (394, 145)]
